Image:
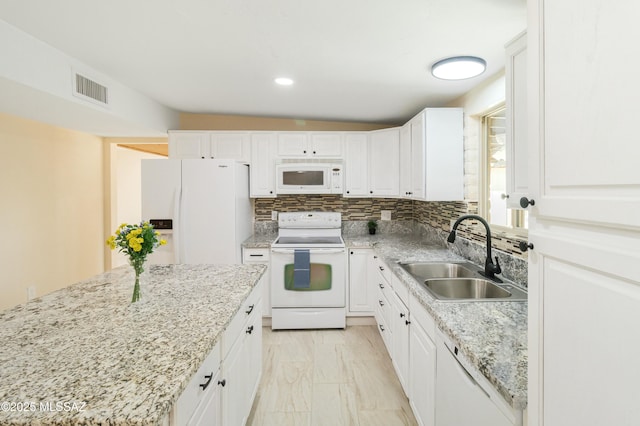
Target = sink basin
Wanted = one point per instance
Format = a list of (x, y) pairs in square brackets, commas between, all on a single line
[(426, 270), (460, 281), (466, 288)]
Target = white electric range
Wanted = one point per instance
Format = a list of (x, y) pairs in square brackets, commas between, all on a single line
[(308, 272)]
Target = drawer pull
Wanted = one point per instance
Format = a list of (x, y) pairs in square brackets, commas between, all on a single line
[(381, 302), (250, 309), (206, 385), (381, 285), (381, 327), (222, 382), (407, 322), (401, 315), (249, 329), (256, 255), (381, 268)]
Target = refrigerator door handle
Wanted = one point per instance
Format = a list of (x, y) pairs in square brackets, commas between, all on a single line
[(177, 200)]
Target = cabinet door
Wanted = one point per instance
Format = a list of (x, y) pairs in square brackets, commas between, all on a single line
[(235, 397), (231, 146), (361, 289), (262, 256), (326, 144), (209, 413), (253, 348), (444, 171), (422, 380), (405, 161), (263, 173), (184, 145), (418, 166), (516, 114), (292, 145), (356, 165), (400, 339), (384, 163)]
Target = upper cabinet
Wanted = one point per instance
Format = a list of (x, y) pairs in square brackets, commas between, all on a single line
[(310, 144), (263, 174), (384, 160), (356, 166), (516, 112), (218, 145)]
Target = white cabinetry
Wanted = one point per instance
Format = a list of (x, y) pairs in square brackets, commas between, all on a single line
[(383, 290), (516, 113), (262, 256), (263, 172), (309, 144), (356, 168), (241, 368), (384, 163), (399, 324), (422, 364), (444, 150), (584, 297), (217, 145), (405, 161), (361, 292)]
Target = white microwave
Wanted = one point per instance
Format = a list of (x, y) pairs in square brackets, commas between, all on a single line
[(309, 178)]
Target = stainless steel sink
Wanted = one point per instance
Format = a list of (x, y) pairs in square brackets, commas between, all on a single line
[(425, 271), (460, 281), (466, 288)]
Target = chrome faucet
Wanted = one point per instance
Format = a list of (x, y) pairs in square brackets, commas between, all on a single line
[(489, 268)]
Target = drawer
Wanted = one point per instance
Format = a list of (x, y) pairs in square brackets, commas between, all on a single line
[(194, 393), (256, 255), (401, 289), (382, 268), (382, 306), (250, 307)]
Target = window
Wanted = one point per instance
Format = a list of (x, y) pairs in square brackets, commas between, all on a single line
[(493, 190)]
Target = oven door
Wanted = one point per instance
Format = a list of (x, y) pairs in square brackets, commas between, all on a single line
[(327, 283)]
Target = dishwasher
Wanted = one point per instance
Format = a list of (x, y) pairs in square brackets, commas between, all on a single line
[(463, 395)]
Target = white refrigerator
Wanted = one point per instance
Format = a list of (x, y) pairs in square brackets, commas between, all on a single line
[(203, 206)]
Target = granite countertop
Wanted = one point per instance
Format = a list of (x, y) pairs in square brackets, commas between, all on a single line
[(260, 240), (85, 355), (492, 335)]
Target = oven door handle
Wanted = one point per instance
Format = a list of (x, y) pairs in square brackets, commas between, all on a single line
[(311, 250)]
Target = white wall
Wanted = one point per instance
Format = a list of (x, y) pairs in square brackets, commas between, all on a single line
[(51, 208)]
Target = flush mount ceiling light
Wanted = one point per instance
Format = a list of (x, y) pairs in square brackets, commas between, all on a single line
[(458, 67), (284, 81)]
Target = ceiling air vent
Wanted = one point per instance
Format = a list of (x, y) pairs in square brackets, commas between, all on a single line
[(87, 88)]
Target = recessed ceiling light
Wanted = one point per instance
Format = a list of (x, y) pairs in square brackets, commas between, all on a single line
[(284, 81), (458, 67)]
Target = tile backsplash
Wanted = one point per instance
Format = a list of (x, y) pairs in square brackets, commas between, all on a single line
[(433, 219)]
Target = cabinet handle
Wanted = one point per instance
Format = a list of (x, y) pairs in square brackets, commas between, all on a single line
[(381, 268), (314, 152), (525, 202), (222, 382), (249, 329), (401, 315), (381, 327), (202, 157), (206, 385), (351, 252), (347, 192), (370, 192), (270, 192), (504, 196), (524, 246), (381, 302), (375, 257), (256, 255), (407, 322), (304, 152), (250, 310), (381, 285)]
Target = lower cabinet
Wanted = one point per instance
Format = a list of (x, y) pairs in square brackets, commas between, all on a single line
[(361, 292), (422, 365), (262, 256), (399, 324), (223, 389)]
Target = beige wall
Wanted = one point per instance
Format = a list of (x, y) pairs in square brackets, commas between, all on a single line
[(190, 121), (51, 208)]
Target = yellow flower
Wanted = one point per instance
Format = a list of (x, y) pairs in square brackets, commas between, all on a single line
[(157, 233), (138, 247), (163, 242), (111, 242)]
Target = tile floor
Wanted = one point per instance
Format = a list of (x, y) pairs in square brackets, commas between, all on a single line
[(328, 377)]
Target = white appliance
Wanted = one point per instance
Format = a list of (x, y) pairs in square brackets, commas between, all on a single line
[(308, 272), (309, 178), (463, 395), (203, 206)]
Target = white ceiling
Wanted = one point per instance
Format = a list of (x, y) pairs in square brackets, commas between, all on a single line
[(352, 60)]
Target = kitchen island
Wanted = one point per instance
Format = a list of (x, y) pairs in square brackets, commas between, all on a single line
[(86, 355)]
